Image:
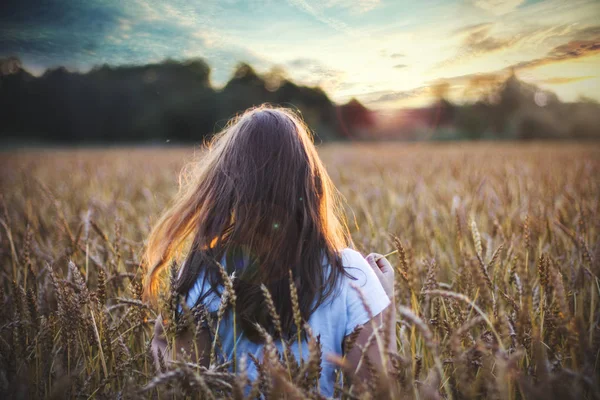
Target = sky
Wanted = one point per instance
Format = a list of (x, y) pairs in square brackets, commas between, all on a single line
[(385, 53)]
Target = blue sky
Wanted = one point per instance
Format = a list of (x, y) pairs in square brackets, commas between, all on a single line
[(386, 53)]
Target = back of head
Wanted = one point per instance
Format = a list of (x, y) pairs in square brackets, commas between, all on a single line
[(260, 194)]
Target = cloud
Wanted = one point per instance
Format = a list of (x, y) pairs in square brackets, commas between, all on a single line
[(468, 29), (498, 7), (465, 79), (384, 53), (562, 80), (583, 42), (43, 32), (400, 66), (569, 51), (302, 62), (589, 33), (314, 73), (574, 49), (481, 42), (319, 16), (354, 6), (210, 38), (348, 85), (79, 35), (318, 12), (478, 39)]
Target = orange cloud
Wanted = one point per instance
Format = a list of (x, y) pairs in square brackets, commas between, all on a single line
[(476, 79), (561, 80), (478, 39), (468, 29), (569, 51)]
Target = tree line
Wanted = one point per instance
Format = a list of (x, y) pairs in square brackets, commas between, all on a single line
[(175, 101), (170, 100)]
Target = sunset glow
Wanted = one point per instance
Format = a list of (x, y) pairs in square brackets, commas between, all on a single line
[(385, 53)]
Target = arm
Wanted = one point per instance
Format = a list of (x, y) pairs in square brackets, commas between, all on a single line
[(197, 348), (356, 362)]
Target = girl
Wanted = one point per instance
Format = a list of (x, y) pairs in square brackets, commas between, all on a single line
[(263, 205)]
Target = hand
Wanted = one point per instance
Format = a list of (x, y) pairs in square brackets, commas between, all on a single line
[(384, 271)]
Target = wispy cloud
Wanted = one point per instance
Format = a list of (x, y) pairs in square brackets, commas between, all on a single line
[(585, 42), (355, 6), (312, 72), (480, 39), (498, 7), (569, 51), (385, 54), (472, 28), (563, 80), (319, 14)]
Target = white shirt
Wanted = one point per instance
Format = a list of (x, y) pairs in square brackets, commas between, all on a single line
[(333, 320)]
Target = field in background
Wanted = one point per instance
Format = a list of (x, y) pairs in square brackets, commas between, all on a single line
[(511, 228)]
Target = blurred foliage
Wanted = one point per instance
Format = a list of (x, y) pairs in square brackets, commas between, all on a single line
[(156, 102), (517, 110), (507, 109), (175, 101)]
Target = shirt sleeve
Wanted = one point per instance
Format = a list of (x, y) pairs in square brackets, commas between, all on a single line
[(368, 284)]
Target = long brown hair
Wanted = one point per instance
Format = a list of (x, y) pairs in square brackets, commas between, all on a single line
[(261, 193)]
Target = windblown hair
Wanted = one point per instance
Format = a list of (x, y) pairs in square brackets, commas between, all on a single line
[(262, 195)]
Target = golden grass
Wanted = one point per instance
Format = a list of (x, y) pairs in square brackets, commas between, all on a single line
[(496, 245)]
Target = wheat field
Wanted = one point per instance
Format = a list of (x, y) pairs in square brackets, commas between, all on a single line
[(498, 249)]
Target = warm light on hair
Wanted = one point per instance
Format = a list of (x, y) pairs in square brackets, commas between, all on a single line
[(259, 191)]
